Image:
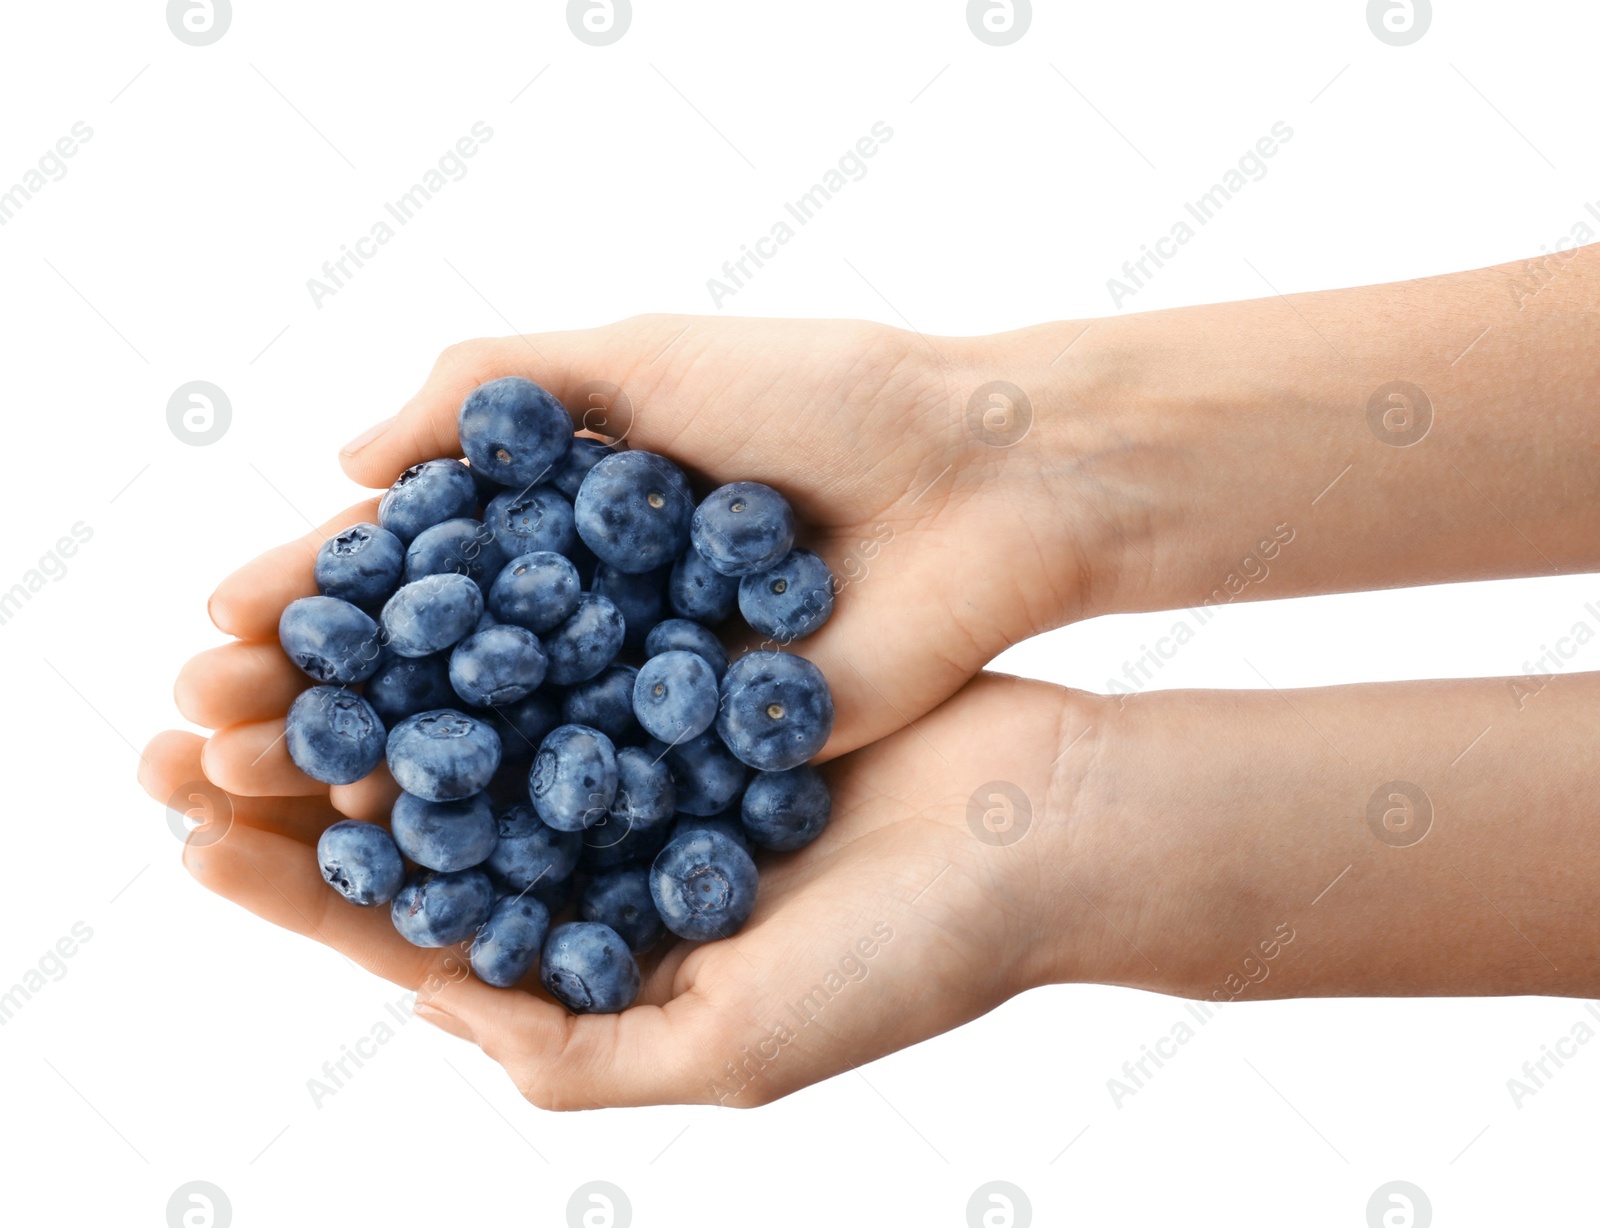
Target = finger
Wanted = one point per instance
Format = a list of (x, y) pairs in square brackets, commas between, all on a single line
[(248, 602), (425, 427), (657, 409), (647, 1054), (277, 879), (370, 798), (252, 760), (171, 773), (236, 683)]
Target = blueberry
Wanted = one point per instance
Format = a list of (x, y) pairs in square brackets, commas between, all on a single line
[(331, 640), (690, 636), (585, 561), (405, 686), (431, 614), (498, 665), (531, 851), (695, 591), (554, 895), (513, 431), (704, 885), (633, 511), (585, 644), (486, 487), (647, 796), (729, 827), (507, 947), (359, 861), (588, 967), (607, 845), (789, 601), (361, 565), (638, 599), (485, 619), (786, 810), (463, 545), (621, 899), (426, 495), (742, 528), (538, 591), (675, 696), (604, 702), (637, 822), (708, 776), (585, 455), (776, 710), (523, 725), (443, 755), (574, 777), (444, 835), (440, 910), (523, 522), (333, 735)]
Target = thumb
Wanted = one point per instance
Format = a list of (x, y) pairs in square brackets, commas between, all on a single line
[(584, 369)]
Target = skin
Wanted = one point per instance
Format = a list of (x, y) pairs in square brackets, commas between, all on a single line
[(1168, 840)]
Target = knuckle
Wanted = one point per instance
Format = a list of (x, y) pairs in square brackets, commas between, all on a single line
[(191, 694), (537, 1087), (226, 763), (647, 320), (466, 355)]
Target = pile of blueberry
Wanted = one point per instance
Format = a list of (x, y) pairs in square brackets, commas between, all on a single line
[(527, 637)]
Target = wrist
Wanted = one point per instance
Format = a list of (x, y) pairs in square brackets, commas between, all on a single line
[(1105, 896), (1137, 888), (1365, 426), (1052, 422)]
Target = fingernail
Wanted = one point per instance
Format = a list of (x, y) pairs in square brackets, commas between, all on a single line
[(366, 437), (211, 612), (444, 1021)]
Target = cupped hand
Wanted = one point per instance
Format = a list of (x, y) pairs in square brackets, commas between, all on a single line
[(897, 923), (948, 548)]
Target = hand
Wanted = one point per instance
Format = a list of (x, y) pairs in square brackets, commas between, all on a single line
[(949, 550), (896, 924)]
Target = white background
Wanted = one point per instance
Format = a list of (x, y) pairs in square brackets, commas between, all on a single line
[(178, 246)]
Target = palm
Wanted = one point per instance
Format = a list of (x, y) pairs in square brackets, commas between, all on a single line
[(895, 904), (865, 429)]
